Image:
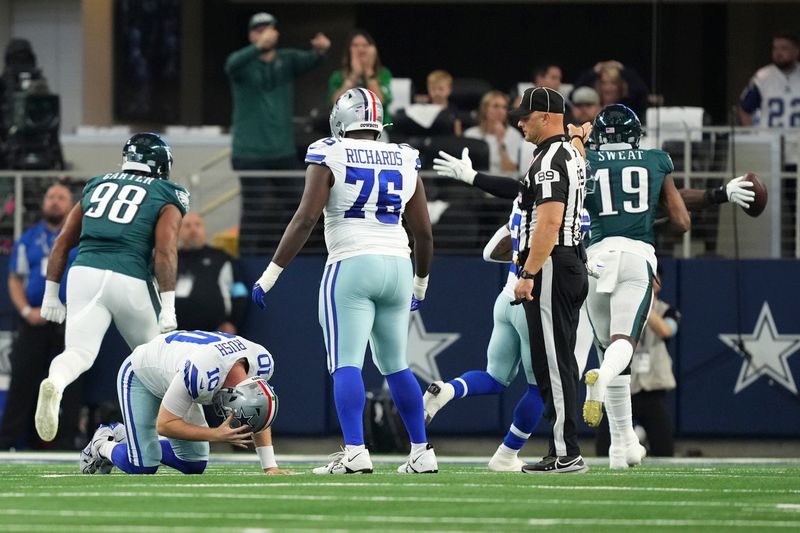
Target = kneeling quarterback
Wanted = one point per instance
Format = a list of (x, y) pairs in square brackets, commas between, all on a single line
[(162, 386)]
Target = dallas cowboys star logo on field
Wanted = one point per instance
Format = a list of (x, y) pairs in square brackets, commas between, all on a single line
[(423, 347), (770, 351)]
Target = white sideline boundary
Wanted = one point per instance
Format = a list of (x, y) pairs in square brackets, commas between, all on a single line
[(250, 458)]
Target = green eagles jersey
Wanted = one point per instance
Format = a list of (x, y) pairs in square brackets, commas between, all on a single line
[(624, 191), (120, 212)]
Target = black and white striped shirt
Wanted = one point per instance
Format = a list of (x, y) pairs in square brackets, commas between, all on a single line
[(557, 174)]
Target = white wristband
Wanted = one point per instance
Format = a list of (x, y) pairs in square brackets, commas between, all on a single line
[(270, 276), (420, 287), (25, 311), (51, 289), (266, 454), (168, 300)]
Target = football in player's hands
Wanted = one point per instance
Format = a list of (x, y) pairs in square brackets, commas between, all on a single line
[(759, 202)]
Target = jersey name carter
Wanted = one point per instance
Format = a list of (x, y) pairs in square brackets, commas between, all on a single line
[(120, 212), (373, 182)]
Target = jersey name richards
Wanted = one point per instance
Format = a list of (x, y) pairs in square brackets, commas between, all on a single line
[(120, 212), (373, 182), (202, 358)]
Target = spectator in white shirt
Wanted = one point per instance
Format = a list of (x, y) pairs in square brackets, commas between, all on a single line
[(493, 128)]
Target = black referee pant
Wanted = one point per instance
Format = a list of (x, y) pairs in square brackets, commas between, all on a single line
[(560, 288)]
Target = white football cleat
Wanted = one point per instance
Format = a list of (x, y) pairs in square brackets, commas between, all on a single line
[(119, 432), (422, 462), (626, 456), (46, 419), (91, 461), (344, 462), (503, 461), (436, 397)]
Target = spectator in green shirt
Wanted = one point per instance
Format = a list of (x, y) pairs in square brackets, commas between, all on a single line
[(262, 82), (361, 67)]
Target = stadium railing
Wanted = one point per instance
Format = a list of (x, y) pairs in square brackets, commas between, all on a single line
[(464, 218)]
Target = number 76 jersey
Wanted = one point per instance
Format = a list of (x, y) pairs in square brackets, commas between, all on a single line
[(373, 182), (120, 211), (623, 192)]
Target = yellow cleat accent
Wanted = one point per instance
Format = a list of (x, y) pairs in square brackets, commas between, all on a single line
[(592, 413), (592, 409)]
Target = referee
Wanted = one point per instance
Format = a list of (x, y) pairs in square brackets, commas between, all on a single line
[(553, 282)]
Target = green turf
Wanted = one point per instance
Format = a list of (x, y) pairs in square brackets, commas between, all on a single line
[(229, 497)]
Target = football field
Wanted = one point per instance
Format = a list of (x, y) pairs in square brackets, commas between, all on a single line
[(464, 496)]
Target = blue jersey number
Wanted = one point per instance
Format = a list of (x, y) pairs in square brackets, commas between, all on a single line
[(198, 337), (389, 203), (777, 116)]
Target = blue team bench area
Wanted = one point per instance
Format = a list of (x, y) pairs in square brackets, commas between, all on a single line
[(720, 392)]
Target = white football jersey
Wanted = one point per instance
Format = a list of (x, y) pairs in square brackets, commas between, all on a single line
[(373, 182), (201, 359), (774, 96)]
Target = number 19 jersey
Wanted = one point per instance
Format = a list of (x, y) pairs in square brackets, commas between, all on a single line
[(373, 182), (120, 212), (624, 192)]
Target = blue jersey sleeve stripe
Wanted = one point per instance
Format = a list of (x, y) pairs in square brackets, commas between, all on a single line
[(190, 379), (316, 158), (751, 99)]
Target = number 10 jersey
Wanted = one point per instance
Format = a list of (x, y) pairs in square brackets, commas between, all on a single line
[(373, 182), (120, 211)]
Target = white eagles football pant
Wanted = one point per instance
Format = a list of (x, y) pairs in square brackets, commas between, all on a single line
[(619, 301), (94, 298)]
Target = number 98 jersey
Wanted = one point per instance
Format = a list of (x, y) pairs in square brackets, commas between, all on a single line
[(120, 211), (373, 182)]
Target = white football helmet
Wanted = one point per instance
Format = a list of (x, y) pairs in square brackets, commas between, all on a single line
[(357, 109), (252, 402)]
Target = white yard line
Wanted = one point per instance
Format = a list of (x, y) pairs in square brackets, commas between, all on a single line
[(396, 519), (321, 482), (393, 499), (243, 458)]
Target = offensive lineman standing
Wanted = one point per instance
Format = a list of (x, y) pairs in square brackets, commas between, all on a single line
[(123, 221), (364, 187)]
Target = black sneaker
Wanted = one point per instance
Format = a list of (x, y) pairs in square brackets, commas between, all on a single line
[(557, 465)]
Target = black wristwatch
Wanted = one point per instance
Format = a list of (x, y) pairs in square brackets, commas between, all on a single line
[(524, 274)]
